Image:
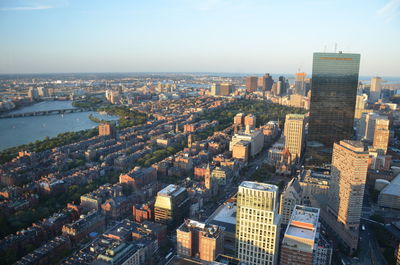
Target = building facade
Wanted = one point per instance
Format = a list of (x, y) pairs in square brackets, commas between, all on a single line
[(257, 223), (294, 134), (333, 97), (349, 175), (199, 240), (375, 89), (171, 204), (301, 236)]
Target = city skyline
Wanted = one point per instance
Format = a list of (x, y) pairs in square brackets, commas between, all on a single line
[(185, 36)]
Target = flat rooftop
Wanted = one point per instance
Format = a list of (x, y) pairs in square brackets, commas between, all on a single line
[(171, 190), (303, 222), (258, 186), (224, 216)]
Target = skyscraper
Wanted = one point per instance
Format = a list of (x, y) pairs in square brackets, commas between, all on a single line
[(381, 134), (349, 173), (265, 82), (250, 120), (251, 83), (333, 96), (226, 89), (301, 235), (375, 89), (257, 223), (299, 84), (215, 89), (294, 134)]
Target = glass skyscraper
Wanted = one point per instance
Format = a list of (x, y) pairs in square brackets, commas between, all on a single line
[(333, 97)]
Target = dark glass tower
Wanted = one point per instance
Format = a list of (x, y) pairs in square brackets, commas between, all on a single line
[(333, 97)]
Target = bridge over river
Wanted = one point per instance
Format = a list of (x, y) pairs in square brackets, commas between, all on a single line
[(45, 112)]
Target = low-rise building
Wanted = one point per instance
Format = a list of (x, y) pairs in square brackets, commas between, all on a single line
[(171, 204), (389, 197), (80, 229)]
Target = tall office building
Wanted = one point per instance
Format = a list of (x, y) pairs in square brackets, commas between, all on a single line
[(361, 101), (250, 120), (333, 97), (283, 86), (257, 223), (238, 120), (300, 83), (301, 236), (294, 134), (265, 82), (349, 173), (370, 121), (381, 134), (375, 89), (215, 89), (226, 89), (251, 83)]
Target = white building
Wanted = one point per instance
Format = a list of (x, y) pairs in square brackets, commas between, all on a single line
[(257, 223)]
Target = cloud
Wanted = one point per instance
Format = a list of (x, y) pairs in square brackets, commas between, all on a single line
[(22, 8), (390, 10)]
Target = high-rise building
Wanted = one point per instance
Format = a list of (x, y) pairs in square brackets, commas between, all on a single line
[(171, 204), (381, 134), (333, 97), (283, 86), (226, 89), (294, 133), (250, 120), (375, 89), (200, 240), (370, 120), (265, 82), (238, 120), (43, 91), (251, 83), (215, 89), (300, 84), (257, 223), (361, 101), (349, 173), (301, 236)]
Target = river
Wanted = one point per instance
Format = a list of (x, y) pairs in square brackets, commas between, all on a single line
[(17, 131)]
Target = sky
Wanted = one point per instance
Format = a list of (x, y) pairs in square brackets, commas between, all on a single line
[(240, 36)]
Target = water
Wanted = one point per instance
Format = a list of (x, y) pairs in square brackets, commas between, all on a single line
[(17, 131)]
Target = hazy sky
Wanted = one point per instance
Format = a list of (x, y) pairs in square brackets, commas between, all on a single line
[(195, 36)]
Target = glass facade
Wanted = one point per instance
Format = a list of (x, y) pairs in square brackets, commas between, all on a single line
[(333, 97)]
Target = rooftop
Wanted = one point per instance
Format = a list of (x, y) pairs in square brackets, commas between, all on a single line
[(393, 188), (303, 223), (224, 216), (171, 190), (259, 186)]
